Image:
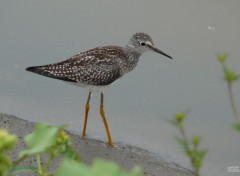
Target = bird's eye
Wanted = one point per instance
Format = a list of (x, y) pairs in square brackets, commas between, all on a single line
[(142, 43)]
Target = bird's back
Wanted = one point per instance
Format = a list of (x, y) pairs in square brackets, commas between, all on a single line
[(99, 66)]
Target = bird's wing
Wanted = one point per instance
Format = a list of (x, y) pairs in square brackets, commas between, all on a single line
[(99, 66)]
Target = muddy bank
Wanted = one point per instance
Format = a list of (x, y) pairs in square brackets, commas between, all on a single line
[(126, 156)]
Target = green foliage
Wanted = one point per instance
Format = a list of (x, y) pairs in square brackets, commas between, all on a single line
[(196, 141), (230, 77), (190, 147), (5, 164), (42, 139), (49, 140), (183, 144), (23, 169), (99, 168), (63, 147), (198, 156), (178, 118), (222, 57), (53, 142), (237, 127), (8, 142)]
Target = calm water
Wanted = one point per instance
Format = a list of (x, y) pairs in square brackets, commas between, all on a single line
[(41, 32)]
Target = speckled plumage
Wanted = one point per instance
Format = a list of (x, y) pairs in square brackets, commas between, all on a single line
[(99, 67)]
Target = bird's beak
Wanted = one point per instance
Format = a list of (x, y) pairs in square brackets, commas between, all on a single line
[(159, 51)]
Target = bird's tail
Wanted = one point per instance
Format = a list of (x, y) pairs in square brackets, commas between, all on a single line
[(43, 70), (36, 69)]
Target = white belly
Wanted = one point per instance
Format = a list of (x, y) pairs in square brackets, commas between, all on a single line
[(90, 88)]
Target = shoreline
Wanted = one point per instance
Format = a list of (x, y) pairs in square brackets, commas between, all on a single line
[(125, 155)]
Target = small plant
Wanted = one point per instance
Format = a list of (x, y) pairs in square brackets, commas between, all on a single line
[(53, 142), (48, 140), (230, 77), (190, 147), (8, 142)]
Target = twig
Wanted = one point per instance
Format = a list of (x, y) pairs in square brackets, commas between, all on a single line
[(232, 102)]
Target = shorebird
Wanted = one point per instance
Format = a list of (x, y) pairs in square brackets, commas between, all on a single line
[(97, 68)]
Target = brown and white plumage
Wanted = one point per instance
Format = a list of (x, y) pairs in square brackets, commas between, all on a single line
[(99, 67)]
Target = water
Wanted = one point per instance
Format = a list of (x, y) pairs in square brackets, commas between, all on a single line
[(137, 106)]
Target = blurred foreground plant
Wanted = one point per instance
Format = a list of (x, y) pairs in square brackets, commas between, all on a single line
[(52, 142), (230, 77), (8, 142), (190, 147), (98, 168), (47, 140)]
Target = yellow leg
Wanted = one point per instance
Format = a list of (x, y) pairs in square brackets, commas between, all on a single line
[(87, 107), (105, 121)]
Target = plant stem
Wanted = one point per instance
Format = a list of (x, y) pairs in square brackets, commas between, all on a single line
[(39, 164), (19, 161), (232, 102), (182, 131), (48, 163)]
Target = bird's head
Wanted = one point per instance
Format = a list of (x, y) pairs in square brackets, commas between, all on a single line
[(142, 42)]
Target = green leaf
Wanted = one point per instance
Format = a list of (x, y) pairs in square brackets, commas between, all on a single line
[(105, 168), (98, 168), (5, 164), (198, 158), (8, 141), (22, 169), (42, 138), (73, 168), (200, 154), (108, 168), (69, 152), (237, 126), (183, 144), (197, 163)]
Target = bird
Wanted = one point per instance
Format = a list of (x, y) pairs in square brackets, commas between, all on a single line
[(98, 68)]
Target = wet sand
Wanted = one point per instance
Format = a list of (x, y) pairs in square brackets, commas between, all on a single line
[(126, 156)]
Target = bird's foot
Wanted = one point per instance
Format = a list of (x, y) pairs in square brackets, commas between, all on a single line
[(83, 136), (110, 143)]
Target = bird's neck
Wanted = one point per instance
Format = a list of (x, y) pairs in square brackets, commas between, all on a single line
[(132, 57), (132, 53)]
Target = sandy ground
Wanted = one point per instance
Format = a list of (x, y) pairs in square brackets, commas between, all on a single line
[(126, 156)]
